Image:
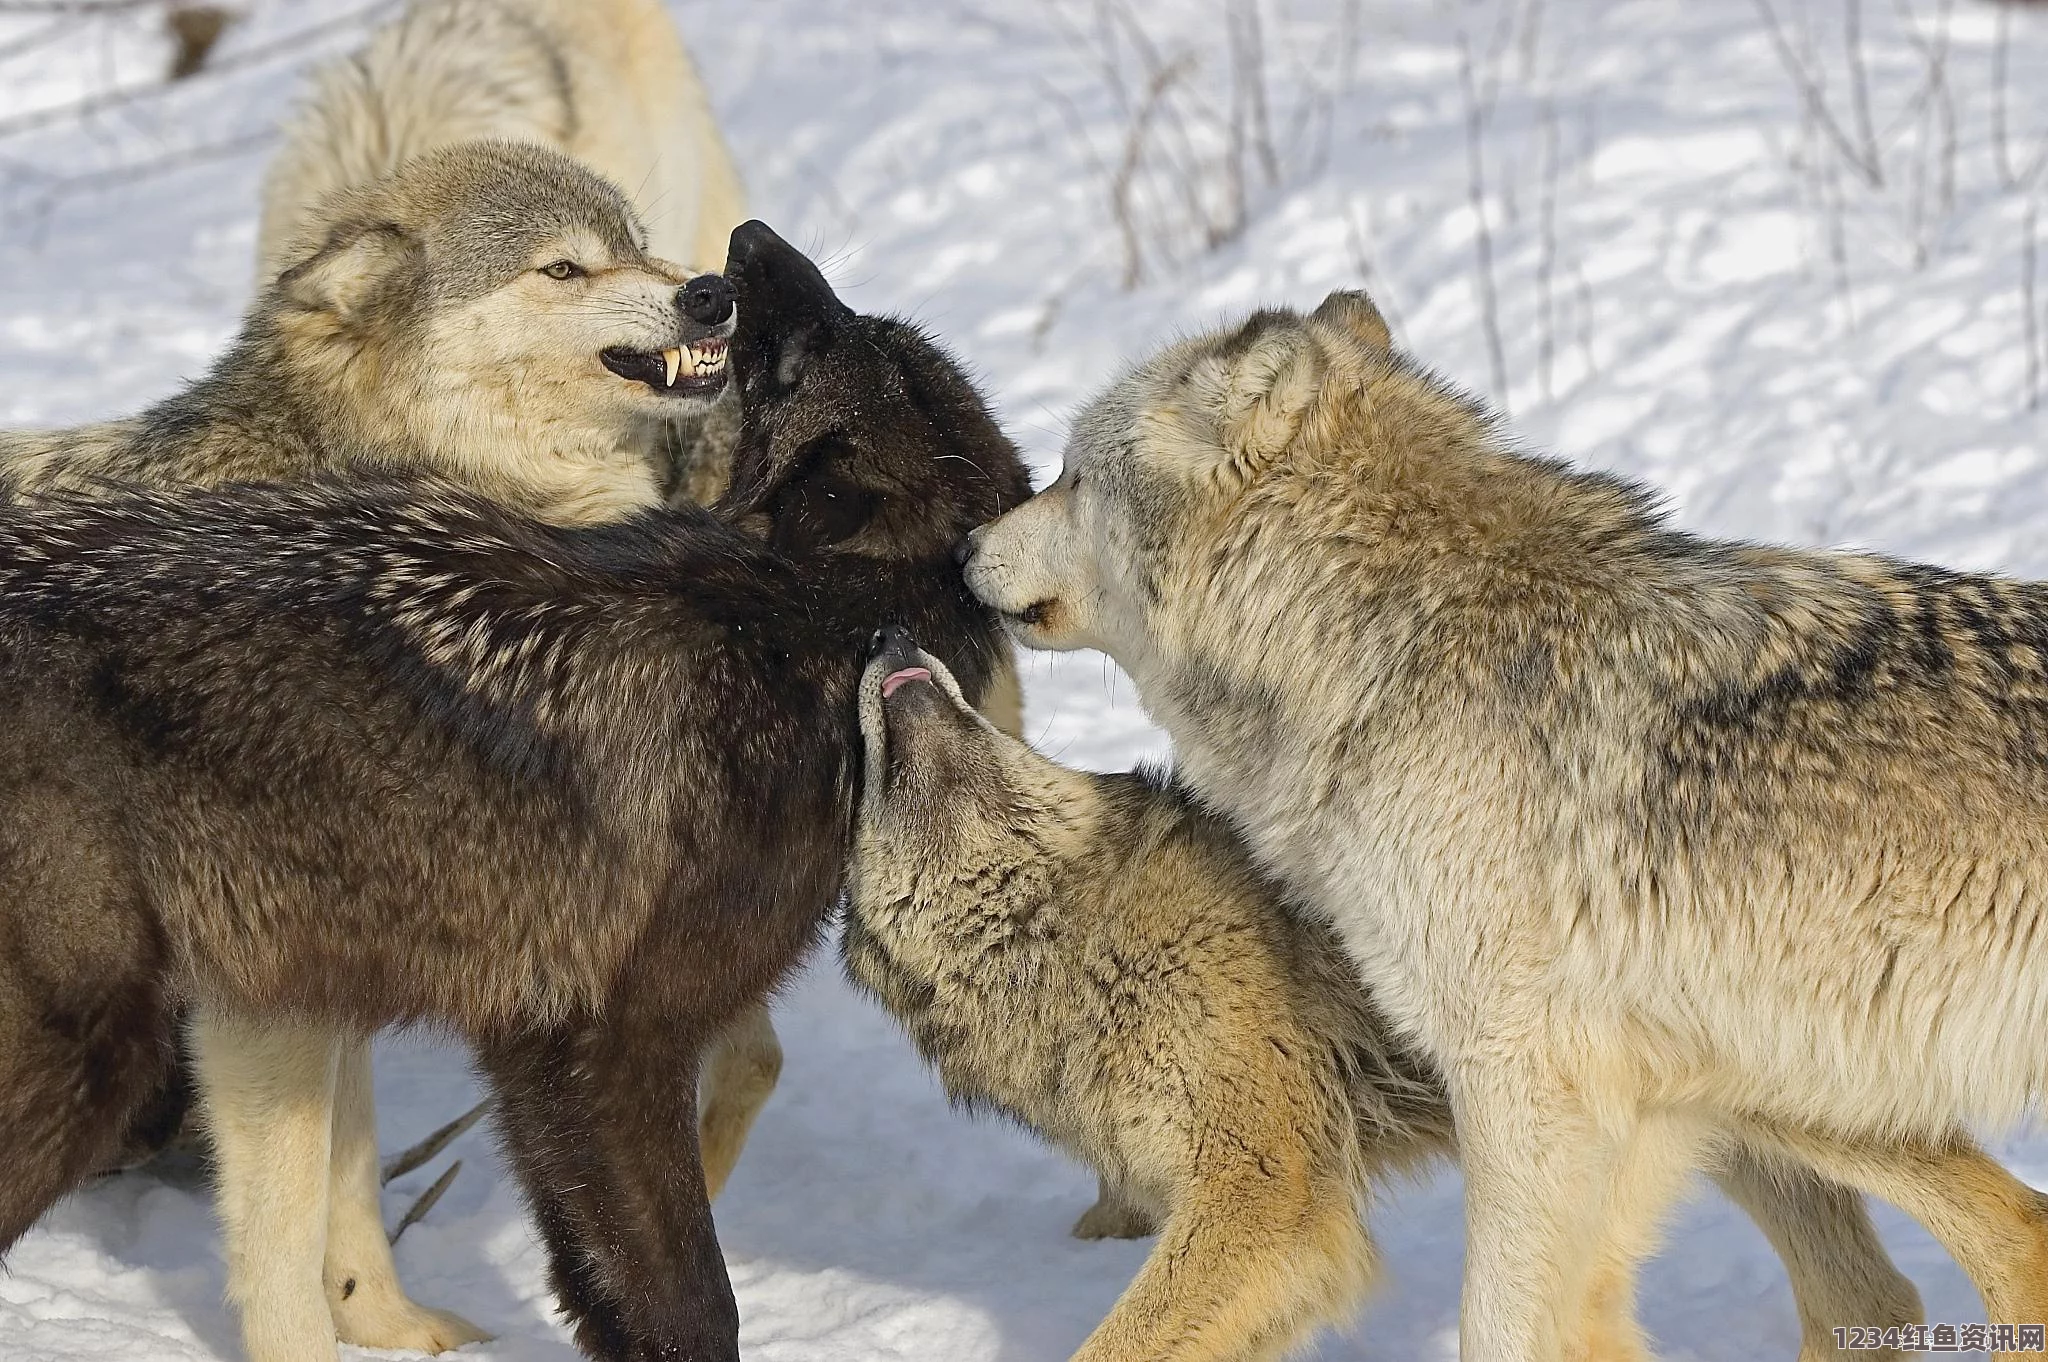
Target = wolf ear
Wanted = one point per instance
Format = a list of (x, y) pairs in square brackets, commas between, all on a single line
[(355, 265), (1351, 313), (1274, 377), (799, 347)]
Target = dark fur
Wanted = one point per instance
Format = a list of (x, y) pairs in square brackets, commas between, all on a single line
[(384, 753)]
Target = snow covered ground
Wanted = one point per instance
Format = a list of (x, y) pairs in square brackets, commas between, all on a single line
[(1800, 309)]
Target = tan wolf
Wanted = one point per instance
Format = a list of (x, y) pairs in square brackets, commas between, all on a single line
[(1096, 956), (1639, 836)]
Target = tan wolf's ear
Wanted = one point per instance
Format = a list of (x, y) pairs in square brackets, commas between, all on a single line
[(1350, 312), (355, 265), (1275, 377)]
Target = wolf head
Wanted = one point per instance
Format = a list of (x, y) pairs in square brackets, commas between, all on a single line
[(499, 291), (1181, 462), (859, 435), (941, 785)]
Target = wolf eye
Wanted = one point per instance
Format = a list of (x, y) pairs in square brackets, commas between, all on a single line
[(562, 269)]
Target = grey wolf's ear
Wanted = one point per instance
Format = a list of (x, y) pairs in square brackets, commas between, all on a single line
[(355, 265), (1351, 313)]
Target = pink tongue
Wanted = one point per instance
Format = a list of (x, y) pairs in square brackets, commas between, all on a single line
[(903, 678)]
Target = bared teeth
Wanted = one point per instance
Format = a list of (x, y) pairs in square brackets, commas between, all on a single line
[(672, 363)]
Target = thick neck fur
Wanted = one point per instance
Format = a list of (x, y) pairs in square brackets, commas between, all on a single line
[(554, 655)]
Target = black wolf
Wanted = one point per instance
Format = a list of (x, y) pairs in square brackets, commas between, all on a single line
[(380, 752)]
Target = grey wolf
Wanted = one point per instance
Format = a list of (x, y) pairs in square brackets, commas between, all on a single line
[(487, 312), (1097, 957), (1639, 837), (606, 82), (362, 753)]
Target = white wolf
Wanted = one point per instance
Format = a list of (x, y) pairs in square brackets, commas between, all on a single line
[(1643, 838), (606, 81)]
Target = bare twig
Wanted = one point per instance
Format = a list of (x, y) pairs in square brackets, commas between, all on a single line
[(1937, 110), (39, 37), (1358, 238), (45, 198), (108, 100), (1482, 232), (426, 1149), (2030, 308), (2001, 65), (1864, 159), (1859, 79), (427, 1200), (1121, 184), (77, 9), (1546, 259)]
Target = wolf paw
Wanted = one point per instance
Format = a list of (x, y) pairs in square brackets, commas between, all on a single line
[(1110, 1218), (400, 1324)]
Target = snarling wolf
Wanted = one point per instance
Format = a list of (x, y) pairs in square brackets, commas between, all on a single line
[(605, 82), (1639, 836), (367, 753), (1096, 956), (487, 312)]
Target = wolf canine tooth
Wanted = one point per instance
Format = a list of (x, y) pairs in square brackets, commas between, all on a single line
[(671, 362)]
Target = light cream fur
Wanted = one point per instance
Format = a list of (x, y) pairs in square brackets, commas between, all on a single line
[(1637, 835), (606, 81)]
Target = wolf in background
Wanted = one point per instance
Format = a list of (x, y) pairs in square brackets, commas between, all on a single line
[(607, 82), (1639, 836)]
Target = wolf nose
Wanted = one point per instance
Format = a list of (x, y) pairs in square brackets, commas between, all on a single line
[(891, 638), (707, 299)]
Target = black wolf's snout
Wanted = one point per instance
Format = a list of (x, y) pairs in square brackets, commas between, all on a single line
[(893, 643), (707, 299), (779, 287)]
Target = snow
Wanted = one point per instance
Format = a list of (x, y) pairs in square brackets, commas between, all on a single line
[(1691, 284)]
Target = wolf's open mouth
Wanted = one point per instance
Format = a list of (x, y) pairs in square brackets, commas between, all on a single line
[(678, 371), (902, 677)]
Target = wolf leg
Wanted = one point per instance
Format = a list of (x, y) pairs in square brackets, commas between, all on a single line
[(1994, 1225), (1643, 1181), (370, 1308), (1540, 1176), (1115, 1215), (740, 1072), (1841, 1274), (600, 1120), (266, 1093), (1257, 1256), (73, 1076)]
